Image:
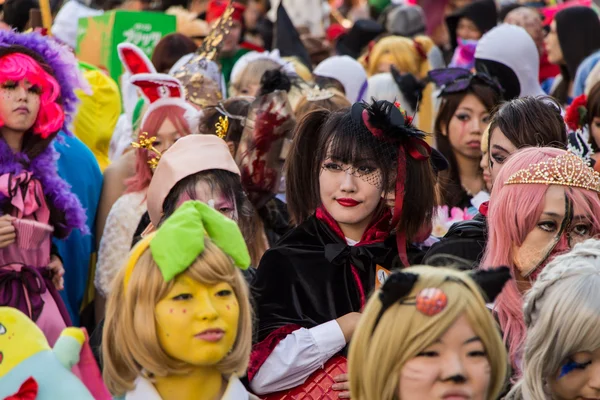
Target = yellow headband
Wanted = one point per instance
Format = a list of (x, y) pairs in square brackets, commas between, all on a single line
[(135, 255)]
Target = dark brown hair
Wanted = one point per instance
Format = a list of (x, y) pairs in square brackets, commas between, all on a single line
[(531, 121), (451, 189), (235, 106), (593, 110), (321, 134), (170, 49)]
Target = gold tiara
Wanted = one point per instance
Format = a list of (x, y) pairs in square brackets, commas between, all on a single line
[(318, 94), (148, 143), (565, 170)]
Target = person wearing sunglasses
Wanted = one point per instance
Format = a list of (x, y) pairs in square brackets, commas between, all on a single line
[(467, 101)]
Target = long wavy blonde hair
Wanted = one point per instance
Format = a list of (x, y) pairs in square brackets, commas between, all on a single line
[(407, 59), (379, 352), (130, 345)]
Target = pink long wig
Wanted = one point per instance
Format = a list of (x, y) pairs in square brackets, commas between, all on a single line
[(514, 212), (152, 124), (17, 67)]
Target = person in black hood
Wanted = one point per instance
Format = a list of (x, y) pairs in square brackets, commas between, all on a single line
[(573, 35), (472, 21)]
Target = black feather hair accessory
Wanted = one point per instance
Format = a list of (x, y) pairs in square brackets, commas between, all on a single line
[(273, 80), (491, 281), (385, 121)]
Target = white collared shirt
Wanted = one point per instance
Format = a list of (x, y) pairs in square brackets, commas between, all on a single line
[(145, 390)]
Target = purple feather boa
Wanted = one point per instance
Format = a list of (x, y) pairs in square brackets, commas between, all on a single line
[(62, 62), (56, 190)]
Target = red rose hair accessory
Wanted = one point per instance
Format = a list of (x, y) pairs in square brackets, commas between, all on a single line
[(431, 301), (576, 115)]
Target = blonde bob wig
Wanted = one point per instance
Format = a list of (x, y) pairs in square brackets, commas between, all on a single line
[(377, 357), (562, 315), (251, 75), (403, 54), (130, 345)]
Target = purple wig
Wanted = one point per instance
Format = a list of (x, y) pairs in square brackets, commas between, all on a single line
[(66, 210)]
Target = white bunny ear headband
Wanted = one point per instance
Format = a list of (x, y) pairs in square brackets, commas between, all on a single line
[(161, 90), (134, 59)]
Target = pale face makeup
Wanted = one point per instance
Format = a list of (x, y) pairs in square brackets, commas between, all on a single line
[(19, 105), (466, 127), (499, 150), (214, 198), (559, 228), (348, 196), (578, 377), (455, 366)]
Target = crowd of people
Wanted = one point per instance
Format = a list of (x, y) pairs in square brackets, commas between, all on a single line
[(302, 199)]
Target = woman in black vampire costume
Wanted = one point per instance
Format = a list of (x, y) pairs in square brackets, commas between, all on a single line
[(360, 187)]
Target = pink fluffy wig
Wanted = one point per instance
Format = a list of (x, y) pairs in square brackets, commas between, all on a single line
[(152, 124), (514, 212), (17, 67)]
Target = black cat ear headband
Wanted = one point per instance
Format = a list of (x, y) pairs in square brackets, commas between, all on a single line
[(432, 301)]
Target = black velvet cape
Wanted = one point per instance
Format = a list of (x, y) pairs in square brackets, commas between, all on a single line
[(312, 276)]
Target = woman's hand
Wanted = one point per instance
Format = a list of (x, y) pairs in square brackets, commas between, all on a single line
[(342, 385), (58, 271), (7, 231)]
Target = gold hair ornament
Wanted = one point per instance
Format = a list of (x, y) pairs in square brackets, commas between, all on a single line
[(222, 126), (318, 94), (565, 170), (144, 142)]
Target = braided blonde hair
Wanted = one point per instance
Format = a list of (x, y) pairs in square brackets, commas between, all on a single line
[(562, 316)]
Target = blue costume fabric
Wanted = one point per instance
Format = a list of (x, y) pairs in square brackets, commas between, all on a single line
[(79, 168)]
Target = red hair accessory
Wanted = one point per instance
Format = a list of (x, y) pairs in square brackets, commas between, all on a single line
[(420, 50), (216, 8), (431, 301), (576, 114), (369, 50)]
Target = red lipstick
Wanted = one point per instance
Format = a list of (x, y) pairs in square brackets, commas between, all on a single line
[(347, 202)]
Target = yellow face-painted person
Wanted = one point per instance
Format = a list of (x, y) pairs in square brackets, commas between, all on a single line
[(178, 323)]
